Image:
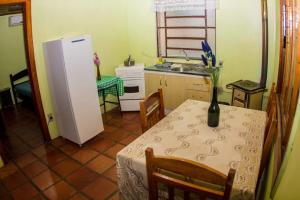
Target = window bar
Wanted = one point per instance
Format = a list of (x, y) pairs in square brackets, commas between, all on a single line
[(186, 38), (190, 16), (182, 48), (165, 27), (205, 24), (158, 35), (191, 58), (166, 32), (186, 27)]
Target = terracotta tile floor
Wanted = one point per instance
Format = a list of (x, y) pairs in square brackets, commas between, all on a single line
[(61, 169)]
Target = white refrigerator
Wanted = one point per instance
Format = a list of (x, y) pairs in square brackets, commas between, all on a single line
[(72, 82)]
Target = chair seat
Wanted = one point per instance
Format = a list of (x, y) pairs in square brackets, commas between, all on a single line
[(24, 89)]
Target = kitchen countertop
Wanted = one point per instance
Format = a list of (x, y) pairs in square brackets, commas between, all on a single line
[(199, 71)]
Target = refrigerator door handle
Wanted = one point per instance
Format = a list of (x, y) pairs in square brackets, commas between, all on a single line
[(80, 40)]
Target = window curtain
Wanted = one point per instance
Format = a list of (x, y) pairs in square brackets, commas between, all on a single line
[(177, 5)]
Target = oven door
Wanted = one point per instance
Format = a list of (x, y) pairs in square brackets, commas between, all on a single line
[(133, 89)]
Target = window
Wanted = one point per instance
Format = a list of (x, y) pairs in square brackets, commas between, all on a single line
[(180, 33)]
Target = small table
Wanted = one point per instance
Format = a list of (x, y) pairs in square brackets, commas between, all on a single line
[(236, 143), (247, 94), (110, 85)]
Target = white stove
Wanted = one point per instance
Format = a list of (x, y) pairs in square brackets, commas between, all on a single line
[(134, 86)]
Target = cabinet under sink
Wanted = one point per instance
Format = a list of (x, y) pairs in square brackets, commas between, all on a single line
[(178, 87)]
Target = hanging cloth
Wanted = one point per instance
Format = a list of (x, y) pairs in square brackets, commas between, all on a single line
[(180, 5)]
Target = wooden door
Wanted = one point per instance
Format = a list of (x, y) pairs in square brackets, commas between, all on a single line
[(288, 82)]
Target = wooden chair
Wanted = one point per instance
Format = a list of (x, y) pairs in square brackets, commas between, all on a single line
[(271, 99), (271, 108), (270, 135), (21, 89), (152, 110), (214, 184), (270, 120)]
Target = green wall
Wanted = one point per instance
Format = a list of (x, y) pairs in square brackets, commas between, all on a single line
[(288, 188), (142, 31), (238, 38), (12, 52), (122, 27), (274, 39), (288, 184), (128, 26), (105, 21)]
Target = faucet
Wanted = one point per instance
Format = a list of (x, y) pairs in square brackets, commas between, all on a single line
[(186, 56)]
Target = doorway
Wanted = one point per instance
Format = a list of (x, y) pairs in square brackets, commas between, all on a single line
[(32, 115)]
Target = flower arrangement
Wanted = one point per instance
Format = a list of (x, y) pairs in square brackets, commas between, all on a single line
[(97, 63), (209, 60)]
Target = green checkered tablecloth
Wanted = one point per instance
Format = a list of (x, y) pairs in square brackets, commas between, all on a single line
[(107, 82)]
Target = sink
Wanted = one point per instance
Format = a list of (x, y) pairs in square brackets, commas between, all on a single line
[(182, 67), (188, 68), (166, 65), (176, 69)]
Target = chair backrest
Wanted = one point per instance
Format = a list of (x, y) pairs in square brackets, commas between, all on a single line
[(13, 78), (270, 135), (152, 110), (187, 176), (271, 98), (270, 120)]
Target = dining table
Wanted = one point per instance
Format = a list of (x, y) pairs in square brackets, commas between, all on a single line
[(236, 143)]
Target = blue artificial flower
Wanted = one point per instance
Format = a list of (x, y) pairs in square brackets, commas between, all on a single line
[(203, 46), (206, 48), (210, 57), (204, 59), (213, 60)]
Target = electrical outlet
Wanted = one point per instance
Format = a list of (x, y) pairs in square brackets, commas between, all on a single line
[(50, 117)]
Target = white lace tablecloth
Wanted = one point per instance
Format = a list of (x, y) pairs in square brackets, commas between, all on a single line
[(236, 143)]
